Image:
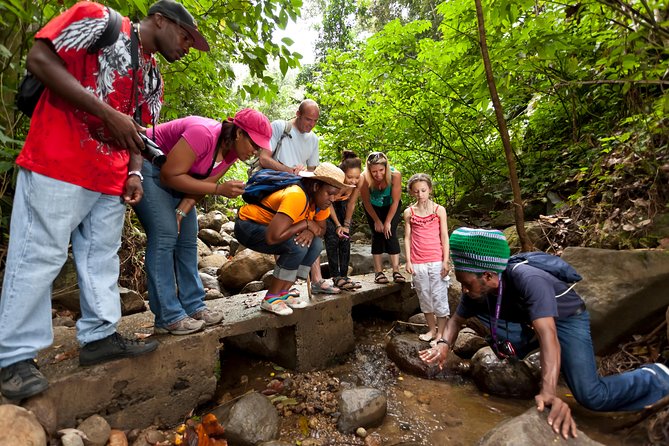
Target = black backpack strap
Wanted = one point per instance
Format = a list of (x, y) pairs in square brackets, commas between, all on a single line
[(110, 33)]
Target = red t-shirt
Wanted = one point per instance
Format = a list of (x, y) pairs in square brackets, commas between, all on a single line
[(68, 144)]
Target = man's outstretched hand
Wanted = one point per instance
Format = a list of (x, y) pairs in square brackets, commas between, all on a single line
[(560, 415)]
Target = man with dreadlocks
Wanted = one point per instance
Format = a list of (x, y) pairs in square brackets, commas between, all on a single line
[(525, 305)]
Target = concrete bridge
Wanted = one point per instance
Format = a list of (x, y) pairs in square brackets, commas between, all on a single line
[(163, 386)]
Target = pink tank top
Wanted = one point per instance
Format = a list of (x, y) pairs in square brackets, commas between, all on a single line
[(426, 238)]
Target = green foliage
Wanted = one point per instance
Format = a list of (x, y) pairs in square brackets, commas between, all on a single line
[(239, 32), (568, 77)]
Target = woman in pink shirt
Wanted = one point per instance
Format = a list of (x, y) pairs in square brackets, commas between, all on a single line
[(199, 152), (427, 253)]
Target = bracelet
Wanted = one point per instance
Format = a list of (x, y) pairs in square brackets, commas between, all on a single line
[(180, 212), (307, 222), (138, 174), (443, 341), (216, 188)]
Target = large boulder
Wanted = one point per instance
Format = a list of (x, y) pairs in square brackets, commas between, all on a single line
[(246, 266), (508, 378), (530, 428), (252, 420), (403, 351), (19, 426), (361, 407), (621, 289)]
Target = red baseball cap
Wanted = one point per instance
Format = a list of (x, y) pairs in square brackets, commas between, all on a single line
[(256, 125)]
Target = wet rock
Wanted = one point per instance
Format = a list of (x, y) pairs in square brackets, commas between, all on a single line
[(19, 426), (96, 429), (373, 440), (45, 411), (246, 266), (149, 437), (253, 287), (361, 407), (131, 301), (214, 261), (209, 282), (468, 343), (253, 419), (202, 249), (403, 351), (211, 237), (421, 322), (530, 427), (504, 378), (211, 220), (117, 438)]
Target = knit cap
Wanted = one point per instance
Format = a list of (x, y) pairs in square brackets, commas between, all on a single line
[(479, 250)]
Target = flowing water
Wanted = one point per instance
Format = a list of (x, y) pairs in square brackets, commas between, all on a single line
[(445, 411)]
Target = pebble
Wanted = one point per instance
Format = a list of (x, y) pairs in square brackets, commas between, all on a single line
[(361, 432), (408, 394)]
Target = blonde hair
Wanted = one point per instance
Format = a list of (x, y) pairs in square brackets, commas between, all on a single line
[(373, 159)]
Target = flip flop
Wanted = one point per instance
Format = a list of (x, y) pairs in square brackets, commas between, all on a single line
[(322, 287), (356, 285)]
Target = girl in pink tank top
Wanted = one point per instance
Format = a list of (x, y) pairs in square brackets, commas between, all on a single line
[(427, 253)]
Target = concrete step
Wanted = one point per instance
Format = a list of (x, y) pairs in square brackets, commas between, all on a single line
[(163, 386)]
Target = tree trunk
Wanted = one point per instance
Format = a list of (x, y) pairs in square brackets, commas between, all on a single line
[(526, 244)]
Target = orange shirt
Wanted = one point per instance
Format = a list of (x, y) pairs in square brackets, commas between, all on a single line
[(291, 201)]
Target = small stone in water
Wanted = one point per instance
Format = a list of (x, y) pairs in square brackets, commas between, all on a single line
[(361, 432), (408, 394)]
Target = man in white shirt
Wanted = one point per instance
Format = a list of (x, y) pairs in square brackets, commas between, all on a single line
[(298, 151)]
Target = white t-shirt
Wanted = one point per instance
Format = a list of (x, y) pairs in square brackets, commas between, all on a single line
[(299, 148)]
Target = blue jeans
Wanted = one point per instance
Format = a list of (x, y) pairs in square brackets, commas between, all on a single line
[(624, 391), (173, 281), (294, 260), (47, 214)]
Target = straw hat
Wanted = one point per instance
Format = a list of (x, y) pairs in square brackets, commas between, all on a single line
[(327, 173)]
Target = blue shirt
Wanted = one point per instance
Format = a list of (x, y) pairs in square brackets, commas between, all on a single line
[(529, 294)]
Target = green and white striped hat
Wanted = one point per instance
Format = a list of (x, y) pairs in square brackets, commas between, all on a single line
[(479, 250)]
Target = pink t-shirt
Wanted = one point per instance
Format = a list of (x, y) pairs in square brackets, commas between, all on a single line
[(201, 134), (426, 238)]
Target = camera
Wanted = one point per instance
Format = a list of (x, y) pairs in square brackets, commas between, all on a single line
[(152, 152)]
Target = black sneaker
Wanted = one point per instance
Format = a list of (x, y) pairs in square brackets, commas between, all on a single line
[(21, 380), (114, 347)]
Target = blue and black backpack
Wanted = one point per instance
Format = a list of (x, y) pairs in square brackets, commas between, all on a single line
[(267, 181), (549, 263)]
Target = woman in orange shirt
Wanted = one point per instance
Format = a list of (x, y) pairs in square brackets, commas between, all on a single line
[(290, 223)]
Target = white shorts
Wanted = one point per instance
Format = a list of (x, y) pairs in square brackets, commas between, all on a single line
[(431, 288)]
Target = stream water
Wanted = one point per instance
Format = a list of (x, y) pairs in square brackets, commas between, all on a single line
[(445, 411)]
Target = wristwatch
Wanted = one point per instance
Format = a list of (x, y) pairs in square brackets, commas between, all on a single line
[(138, 173), (443, 341)]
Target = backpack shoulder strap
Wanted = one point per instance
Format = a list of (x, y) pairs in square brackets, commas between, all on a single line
[(110, 33), (288, 126)]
